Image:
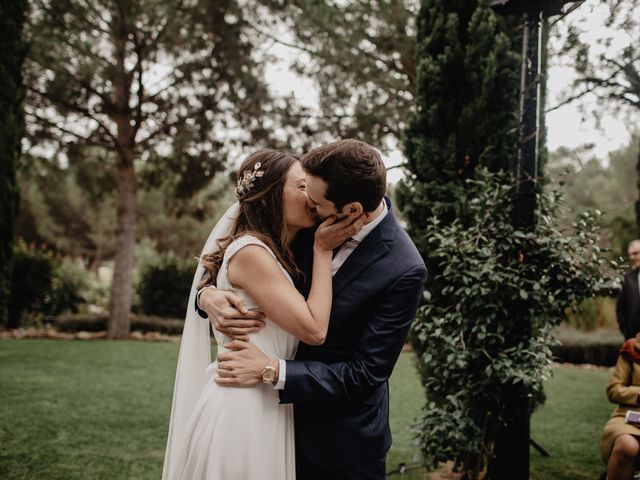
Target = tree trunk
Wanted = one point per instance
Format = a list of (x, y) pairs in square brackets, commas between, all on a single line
[(12, 52), (638, 201), (122, 286)]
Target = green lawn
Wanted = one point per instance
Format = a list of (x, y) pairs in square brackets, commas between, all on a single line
[(99, 410)]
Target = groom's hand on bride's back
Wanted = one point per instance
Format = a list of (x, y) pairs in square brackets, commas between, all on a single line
[(229, 315)]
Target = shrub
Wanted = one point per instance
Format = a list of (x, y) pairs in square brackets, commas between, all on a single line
[(593, 313), (481, 349), (597, 347), (87, 322), (98, 322), (70, 286), (31, 283), (164, 286), (44, 284)]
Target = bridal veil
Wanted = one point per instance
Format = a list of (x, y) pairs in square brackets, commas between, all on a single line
[(195, 353)]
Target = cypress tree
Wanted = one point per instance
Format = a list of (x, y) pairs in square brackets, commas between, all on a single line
[(12, 54), (466, 110), (466, 106), (465, 117)]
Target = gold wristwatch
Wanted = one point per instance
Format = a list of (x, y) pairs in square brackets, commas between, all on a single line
[(269, 371)]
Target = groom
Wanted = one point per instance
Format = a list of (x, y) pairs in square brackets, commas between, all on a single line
[(340, 389)]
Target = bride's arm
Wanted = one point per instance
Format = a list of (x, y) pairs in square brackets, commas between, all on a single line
[(256, 271)]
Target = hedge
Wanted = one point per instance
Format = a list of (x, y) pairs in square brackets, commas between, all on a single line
[(597, 347), (98, 322)]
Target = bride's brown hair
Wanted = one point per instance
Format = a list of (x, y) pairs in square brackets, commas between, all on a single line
[(261, 212)]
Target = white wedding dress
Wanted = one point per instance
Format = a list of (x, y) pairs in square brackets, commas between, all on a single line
[(240, 433)]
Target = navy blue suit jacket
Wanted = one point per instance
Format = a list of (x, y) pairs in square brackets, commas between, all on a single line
[(340, 389)]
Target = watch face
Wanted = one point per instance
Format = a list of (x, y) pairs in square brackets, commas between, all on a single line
[(269, 375)]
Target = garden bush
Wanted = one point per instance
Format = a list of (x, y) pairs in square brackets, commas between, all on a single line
[(45, 285), (597, 347), (594, 313), (98, 322), (31, 283), (164, 286), (70, 286), (481, 351)]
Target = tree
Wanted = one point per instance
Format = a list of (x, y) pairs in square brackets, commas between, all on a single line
[(360, 56), (485, 274), (12, 52), (158, 85), (70, 210), (608, 67), (466, 111), (590, 185), (465, 117)]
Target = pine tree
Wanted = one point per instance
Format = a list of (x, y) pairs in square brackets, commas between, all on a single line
[(12, 53), (360, 56), (158, 85)]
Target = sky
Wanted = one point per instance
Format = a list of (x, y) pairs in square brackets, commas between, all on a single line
[(565, 126)]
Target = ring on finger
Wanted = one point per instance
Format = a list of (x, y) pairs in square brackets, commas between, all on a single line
[(232, 331)]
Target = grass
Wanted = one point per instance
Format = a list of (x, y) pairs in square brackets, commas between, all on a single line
[(99, 410), (569, 425)]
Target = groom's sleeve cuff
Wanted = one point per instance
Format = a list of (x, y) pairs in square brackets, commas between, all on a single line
[(200, 311), (282, 374)]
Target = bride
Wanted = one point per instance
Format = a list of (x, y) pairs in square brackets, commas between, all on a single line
[(219, 433)]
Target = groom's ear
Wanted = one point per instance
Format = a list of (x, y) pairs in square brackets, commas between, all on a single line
[(353, 209)]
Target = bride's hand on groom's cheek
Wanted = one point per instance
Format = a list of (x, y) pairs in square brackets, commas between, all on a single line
[(333, 232), (241, 366)]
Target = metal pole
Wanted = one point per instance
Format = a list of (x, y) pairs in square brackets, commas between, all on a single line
[(511, 461), (525, 201)]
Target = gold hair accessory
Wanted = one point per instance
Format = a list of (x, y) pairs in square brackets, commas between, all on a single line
[(245, 183)]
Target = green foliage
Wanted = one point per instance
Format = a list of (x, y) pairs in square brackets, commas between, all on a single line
[(602, 46), (466, 107), (182, 226), (98, 322), (31, 283), (71, 210), (162, 91), (12, 52), (594, 313), (94, 63), (597, 347), (360, 56), (610, 188), (489, 273), (70, 288), (164, 286), (45, 285), (465, 118)]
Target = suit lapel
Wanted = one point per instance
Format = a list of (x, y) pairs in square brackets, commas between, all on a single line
[(370, 250), (374, 246)]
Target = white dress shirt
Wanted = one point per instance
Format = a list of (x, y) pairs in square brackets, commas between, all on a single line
[(339, 258)]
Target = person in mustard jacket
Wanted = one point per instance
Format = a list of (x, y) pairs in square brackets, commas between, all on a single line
[(619, 445)]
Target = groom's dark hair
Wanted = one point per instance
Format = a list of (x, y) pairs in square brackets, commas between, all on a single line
[(354, 172)]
